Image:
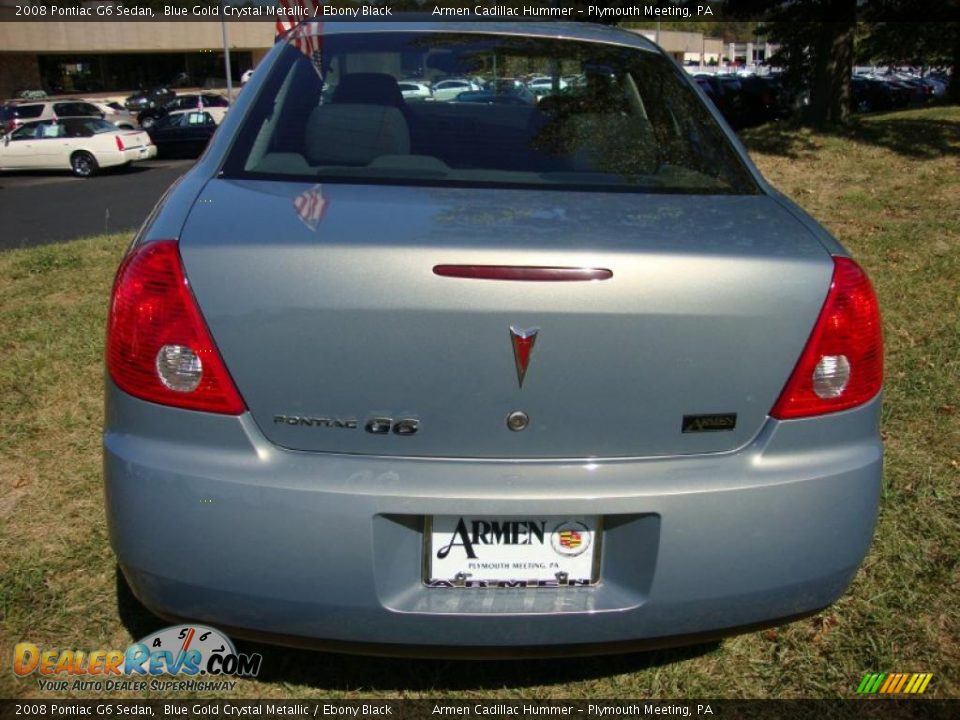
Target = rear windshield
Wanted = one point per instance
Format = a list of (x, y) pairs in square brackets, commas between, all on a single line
[(21, 111), (504, 110)]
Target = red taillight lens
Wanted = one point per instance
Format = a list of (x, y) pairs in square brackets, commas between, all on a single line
[(158, 345), (842, 364), (119, 142)]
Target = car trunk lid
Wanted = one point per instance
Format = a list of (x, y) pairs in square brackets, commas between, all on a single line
[(326, 306)]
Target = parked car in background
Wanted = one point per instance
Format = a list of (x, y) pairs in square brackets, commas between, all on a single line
[(918, 92), (83, 145), (708, 90), (745, 99), (759, 101), (937, 88), (449, 89), (939, 82), (148, 99), (184, 133), (188, 101), (115, 113), (217, 112), (511, 87), (885, 90), (869, 95), (412, 90), (466, 378), (16, 113), (12, 115), (790, 97), (723, 94), (543, 86), (734, 110)]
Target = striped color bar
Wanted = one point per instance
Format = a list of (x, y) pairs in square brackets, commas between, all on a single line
[(894, 683)]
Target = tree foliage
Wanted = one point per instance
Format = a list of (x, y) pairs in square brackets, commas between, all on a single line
[(893, 35), (820, 39), (816, 39)]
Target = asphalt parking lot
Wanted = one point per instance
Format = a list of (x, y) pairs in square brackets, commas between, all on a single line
[(39, 208)]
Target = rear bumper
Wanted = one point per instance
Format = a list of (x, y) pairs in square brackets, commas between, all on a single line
[(113, 158), (212, 523), (145, 152)]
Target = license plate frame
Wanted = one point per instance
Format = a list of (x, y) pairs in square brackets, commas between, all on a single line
[(562, 536)]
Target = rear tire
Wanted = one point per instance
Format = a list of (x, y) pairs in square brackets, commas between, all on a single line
[(84, 164)]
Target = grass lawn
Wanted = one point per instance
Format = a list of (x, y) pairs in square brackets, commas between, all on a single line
[(889, 189)]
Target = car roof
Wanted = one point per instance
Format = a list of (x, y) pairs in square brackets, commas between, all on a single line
[(19, 104), (591, 32)]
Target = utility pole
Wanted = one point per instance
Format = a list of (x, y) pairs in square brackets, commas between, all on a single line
[(226, 60)]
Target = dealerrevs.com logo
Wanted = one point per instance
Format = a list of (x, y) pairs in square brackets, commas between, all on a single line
[(185, 652)]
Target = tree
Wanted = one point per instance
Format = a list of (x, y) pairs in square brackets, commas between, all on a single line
[(893, 36), (816, 39)]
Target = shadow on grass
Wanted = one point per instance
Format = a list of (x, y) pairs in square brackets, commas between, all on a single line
[(919, 138), (778, 138), (324, 671)]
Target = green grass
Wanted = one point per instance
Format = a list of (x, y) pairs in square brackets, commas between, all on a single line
[(888, 188)]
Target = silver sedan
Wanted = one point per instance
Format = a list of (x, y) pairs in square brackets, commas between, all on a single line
[(460, 378)]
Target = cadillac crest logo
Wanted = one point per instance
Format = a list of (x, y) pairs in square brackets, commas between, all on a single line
[(523, 342), (570, 538)]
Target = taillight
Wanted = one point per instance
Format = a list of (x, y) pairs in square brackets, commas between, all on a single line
[(158, 345), (119, 142), (842, 364)]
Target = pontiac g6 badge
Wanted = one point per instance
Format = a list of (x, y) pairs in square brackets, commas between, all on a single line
[(523, 341)]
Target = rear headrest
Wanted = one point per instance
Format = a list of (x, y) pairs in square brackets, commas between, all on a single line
[(355, 134), (368, 89)]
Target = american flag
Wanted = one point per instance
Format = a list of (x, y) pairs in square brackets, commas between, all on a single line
[(308, 10), (310, 41), (311, 206)]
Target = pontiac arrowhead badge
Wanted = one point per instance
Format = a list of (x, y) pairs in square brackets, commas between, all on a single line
[(523, 341)]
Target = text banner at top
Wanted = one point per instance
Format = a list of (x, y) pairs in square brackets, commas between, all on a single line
[(491, 709), (611, 11)]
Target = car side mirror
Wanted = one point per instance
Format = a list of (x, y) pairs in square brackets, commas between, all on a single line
[(6, 140)]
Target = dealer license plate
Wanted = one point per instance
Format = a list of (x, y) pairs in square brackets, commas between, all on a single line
[(510, 552)]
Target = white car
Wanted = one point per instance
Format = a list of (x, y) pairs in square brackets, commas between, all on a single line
[(115, 113), (449, 89), (543, 86), (412, 90), (83, 145)]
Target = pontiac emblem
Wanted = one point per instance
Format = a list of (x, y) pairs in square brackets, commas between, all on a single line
[(523, 341)]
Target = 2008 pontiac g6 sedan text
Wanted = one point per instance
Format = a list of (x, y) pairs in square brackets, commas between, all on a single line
[(492, 373)]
